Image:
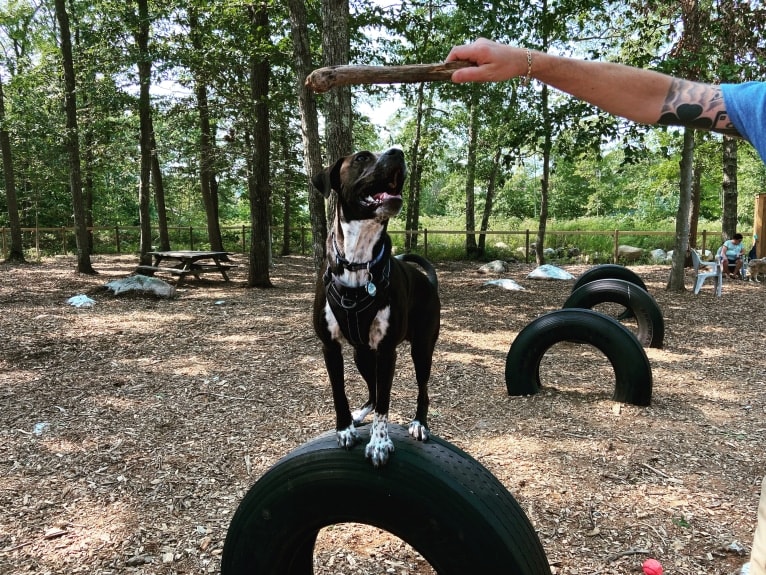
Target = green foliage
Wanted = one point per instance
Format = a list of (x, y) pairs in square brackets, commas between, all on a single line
[(508, 237), (605, 174)]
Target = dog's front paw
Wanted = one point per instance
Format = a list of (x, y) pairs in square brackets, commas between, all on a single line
[(380, 445), (347, 437), (378, 450), (418, 431)]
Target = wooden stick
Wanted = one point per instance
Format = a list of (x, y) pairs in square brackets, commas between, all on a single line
[(657, 471), (323, 79), (660, 473), (634, 551)]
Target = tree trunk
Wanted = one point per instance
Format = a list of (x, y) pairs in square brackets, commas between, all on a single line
[(16, 253), (729, 223), (491, 190), (338, 112), (87, 154), (545, 180), (335, 46), (696, 199), (207, 142), (413, 200), (312, 147), (206, 173), (471, 249), (676, 280), (258, 183), (72, 141), (731, 45), (688, 49), (144, 115), (87, 191), (159, 192), (694, 216), (287, 197)]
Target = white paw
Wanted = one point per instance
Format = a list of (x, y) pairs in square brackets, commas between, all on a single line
[(359, 414), (347, 437), (418, 431), (378, 450), (380, 445)]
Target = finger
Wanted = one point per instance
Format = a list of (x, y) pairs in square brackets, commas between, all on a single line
[(465, 75), (458, 53), (477, 74)]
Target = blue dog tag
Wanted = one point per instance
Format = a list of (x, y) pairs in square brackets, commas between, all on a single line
[(371, 289)]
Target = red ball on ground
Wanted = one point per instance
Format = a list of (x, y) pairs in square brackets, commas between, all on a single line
[(652, 567)]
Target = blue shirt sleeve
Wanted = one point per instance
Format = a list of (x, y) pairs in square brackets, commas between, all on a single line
[(746, 106)]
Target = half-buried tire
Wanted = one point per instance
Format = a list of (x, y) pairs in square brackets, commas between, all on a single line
[(651, 325), (611, 272), (432, 495), (633, 374)]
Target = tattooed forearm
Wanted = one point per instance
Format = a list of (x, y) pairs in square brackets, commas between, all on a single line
[(696, 105)]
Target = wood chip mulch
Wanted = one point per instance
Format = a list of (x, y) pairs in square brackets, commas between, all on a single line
[(130, 430)]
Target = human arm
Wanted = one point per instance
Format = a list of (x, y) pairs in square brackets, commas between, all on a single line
[(639, 95)]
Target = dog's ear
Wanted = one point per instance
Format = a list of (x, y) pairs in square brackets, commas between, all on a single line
[(328, 179), (321, 182)]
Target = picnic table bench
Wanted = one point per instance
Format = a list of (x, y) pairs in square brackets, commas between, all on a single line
[(188, 262)]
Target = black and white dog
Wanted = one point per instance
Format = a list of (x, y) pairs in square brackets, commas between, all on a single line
[(372, 300)]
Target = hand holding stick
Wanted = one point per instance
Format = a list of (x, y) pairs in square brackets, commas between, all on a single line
[(323, 79)]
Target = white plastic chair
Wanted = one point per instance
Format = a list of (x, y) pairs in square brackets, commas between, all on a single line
[(700, 276)]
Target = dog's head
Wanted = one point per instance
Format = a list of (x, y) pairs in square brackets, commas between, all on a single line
[(369, 186)]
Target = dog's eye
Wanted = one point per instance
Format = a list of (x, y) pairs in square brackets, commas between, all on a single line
[(363, 157)]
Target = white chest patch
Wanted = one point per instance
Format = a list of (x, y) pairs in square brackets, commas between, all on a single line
[(332, 323), (359, 239), (379, 326)]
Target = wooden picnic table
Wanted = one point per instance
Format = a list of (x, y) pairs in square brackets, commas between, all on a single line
[(182, 263)]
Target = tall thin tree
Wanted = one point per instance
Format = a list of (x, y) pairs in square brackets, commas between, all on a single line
[(141, 33), (412, 214), (547, 19), (336, 48), (312, 148), (728, 16), (72, 141), (471, 249), (159, 190), (16, 251), (259, 185), (207, 138), (689, 50)]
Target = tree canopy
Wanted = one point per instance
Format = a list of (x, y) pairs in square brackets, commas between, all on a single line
[(478, 151)]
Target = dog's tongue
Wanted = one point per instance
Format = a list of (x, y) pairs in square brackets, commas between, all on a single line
[(383, 196)]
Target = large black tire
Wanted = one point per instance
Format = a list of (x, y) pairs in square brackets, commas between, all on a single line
[(432, 495), (651, 325), (610, 272), (632, 371)]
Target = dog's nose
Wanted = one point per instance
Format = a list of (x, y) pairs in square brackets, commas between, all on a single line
[(394, 152)]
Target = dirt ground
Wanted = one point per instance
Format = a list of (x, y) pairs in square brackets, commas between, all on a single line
[(130, 430)]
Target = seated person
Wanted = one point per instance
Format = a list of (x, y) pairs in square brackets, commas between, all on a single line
[(730, 254)]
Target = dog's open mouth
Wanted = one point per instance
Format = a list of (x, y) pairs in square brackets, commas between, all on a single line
[(393, 193), (382, 197)]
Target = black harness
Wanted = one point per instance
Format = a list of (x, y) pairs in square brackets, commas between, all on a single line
[(355, 308)]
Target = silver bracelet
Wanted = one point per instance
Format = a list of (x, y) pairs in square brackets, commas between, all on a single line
[(525, 80)]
